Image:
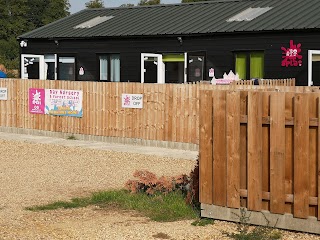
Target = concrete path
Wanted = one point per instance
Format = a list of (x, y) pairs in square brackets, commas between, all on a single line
[(164, 152)]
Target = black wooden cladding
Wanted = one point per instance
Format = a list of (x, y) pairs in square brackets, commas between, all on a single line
[(219, 50)]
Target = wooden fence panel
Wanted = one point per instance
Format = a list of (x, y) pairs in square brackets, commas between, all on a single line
[(233, 149), (289, 156), (255, 151), (206, 148), (219, 149), (301, 156), (277, 153)]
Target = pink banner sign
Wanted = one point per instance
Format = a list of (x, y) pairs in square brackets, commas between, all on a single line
[(36, 100)]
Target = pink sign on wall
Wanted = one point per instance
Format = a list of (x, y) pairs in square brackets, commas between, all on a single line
[(36, 100), (291, 56)]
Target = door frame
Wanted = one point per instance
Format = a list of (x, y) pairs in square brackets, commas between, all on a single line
[(55, 65), (310, 53), (41, 65), (160, 66)]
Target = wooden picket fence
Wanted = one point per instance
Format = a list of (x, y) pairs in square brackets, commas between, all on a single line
[(260, 150)]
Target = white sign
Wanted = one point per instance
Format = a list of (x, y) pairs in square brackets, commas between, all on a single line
[(132, 100), (3, 94), (211, 72)]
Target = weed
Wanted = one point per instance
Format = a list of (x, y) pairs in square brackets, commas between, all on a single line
[(247, 232), (72, 137), (203, 222)]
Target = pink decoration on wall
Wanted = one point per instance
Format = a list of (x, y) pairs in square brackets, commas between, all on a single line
[(291, 56), (36, 100)]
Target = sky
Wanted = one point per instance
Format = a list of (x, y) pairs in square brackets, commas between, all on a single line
[(77, 5)]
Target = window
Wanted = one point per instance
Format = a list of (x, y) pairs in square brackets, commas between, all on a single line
[(249, 14), (93, 22), (66, 68), (196, 67), (109, 67), (249, 64), (50, 66)]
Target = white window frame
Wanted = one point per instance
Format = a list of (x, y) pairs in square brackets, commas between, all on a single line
[(310, 53), (55, 61), (160, 66), (41, 65)]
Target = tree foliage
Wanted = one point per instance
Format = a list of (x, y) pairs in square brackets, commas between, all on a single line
[(149, 2), (20, 16), (127, 5), (95, 4), (186, 1)]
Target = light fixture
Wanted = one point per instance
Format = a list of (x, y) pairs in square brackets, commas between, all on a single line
[(24, 43), (179, 40), (56, 42)]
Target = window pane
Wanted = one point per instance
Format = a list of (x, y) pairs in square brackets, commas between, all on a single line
[(256, 65), (241, 65), (66, 68), (195, 68), (115, 67), (104, 67)]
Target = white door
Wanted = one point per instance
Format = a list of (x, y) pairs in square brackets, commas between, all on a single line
[(152, 68), (32, 67)]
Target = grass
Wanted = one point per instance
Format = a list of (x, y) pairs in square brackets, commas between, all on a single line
[(161, 208)]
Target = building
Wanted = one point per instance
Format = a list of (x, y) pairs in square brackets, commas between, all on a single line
[(179, 43)]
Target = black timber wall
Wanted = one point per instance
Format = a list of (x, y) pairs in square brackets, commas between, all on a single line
[(219, 49)]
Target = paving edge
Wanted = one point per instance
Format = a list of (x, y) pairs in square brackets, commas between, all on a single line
[(263, 218), (130, 141)]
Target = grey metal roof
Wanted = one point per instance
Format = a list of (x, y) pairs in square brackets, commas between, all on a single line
[(181, 19)]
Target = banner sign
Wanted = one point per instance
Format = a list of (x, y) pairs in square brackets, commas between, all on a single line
[(132, 100), (36, 100), (3, 94), (57, 102), (64, 102)]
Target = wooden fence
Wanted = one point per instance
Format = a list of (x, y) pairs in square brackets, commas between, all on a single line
[(170, 112), (260, 150)]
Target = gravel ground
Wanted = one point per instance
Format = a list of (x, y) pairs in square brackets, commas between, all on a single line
[(32, 173)]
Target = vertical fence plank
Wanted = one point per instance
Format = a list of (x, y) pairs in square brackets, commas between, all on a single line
[(168, 112), (197, 110), (205, 165), (233, 149), (243, 146), (289, 109), (277, 152), (312, 158), (265, 148), (318, 158), (219, 149), (301, 155), (254, 151)]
